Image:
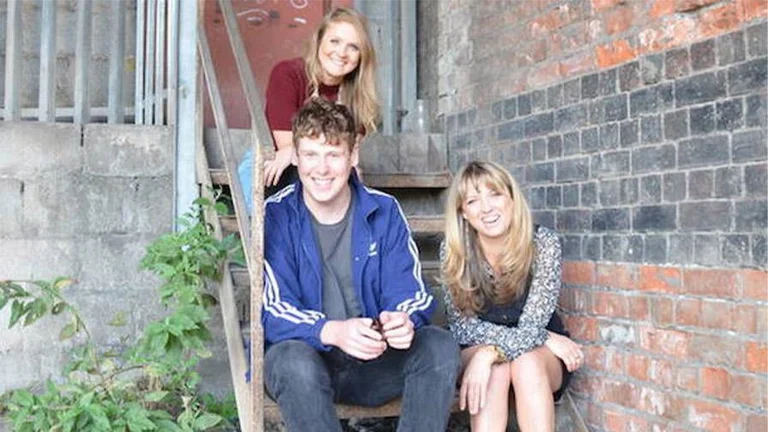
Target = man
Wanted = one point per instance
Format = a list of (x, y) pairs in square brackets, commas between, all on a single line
[(345, 308)]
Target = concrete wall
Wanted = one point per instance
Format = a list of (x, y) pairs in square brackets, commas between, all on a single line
[(638, 129), (81, 202)]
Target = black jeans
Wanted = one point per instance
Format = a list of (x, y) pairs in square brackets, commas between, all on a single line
[(306, 382)]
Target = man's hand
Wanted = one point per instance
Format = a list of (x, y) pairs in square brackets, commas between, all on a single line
[(274, 168), (397, 329), (566, 350), (474, 382), (355, 337)]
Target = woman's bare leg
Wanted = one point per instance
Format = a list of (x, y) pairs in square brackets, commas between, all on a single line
[(535, 376), (493, 416)]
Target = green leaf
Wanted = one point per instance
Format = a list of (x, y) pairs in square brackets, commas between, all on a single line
[(58, 308), (17, 311), (23, 398), (68, 331), (118, 320), (156, 396), (3, 301), (167, 426), (62, 282), (206, 421), (203, 202)]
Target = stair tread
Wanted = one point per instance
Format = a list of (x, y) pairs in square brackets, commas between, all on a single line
[(420, 224), (432, 180)]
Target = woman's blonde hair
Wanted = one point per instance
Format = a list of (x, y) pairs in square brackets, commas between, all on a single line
[(358, 89), (464, 267)]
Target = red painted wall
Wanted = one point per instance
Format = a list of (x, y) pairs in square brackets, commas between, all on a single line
[(272, 30)]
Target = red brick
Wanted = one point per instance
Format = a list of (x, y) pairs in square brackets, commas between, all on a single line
[(619, 19), (544, 74), (638, 366), (662, 8), (715, 283), (568, 39), (616, 276), (615, 361), (749, 390), (687, 378), (582, 328), (615, 421), (638, 308), (716, 314), (577, 64), (662, 311), (715, 382), (719, 20), (670, 342), (659, 279), (652, 401), (594, 357), (598, 5), (692, 5), (754, 284), (579, 272), (757, 423), (687, 311), (757, 357), (722, 349), (615, 53), (609, 304), (751, 9), (745, 318), (712, 416)]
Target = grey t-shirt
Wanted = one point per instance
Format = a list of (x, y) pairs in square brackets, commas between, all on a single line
[(335, 242)]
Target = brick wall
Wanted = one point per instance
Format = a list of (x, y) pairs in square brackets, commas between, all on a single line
[(638, 129)]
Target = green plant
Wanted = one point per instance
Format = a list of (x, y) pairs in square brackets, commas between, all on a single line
[(148, 385)]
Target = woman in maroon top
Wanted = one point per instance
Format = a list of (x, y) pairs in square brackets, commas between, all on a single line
[(339, 65)]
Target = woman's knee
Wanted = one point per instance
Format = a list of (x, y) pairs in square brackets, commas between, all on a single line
[(529, 369)]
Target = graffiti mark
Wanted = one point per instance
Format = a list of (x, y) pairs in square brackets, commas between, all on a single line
[(254, 16), (300, 20), (299, 4)]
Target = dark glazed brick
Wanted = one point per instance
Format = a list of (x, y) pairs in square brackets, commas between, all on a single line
[(589, 86), (539, 149), (757, 39), (701, 184), (571, 195), (615, 108), (652, 68), (590, 140), (680, 248), (511, 130), (538, 173), (574, 220), (659, 158), (609, 136), (759, 253), (571, 117), (651, 99), (554, 146), (650, 189), (730, 114), (735, 249), (538, 197), (607, 82), (610, 193), (710, 150), (628, 133), (673, 187), (748, 77), (705, 216), (752, 216), (462, 123), (676, 124), (516, 154), (573, 169), (538, 101), (462, 141), (757, 115), (756, 180), (728, 182), (524, 104), (677, 63), (749, 146), (700, 88), (654, 218), (571, 143), (629, 76), (450, 124), (497, 111), (730, 48), (656, 249), (545, 218), (572, 91), (472, 117), (510, 108), (614, 247), (702, 120), (539, 124), (650, 130), (596, 111), (572, 247), (703, 55), (612, 219), (706, 250), (591, 248), (634, 252), (554, 196), (610, 164), (588, 194), (555, 96)]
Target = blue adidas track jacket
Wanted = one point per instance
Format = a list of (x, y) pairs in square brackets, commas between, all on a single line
[(385, 267)]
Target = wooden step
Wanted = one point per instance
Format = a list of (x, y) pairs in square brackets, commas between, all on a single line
[(420, 224), (437, 180)]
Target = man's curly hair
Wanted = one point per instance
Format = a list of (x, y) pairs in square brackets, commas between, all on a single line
[(321, 117)]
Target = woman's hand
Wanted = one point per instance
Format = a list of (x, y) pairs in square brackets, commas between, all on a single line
[(474, 382), (566, 350), (274, 168)]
